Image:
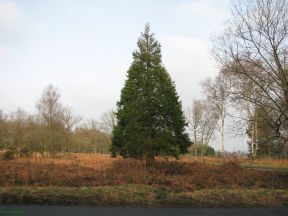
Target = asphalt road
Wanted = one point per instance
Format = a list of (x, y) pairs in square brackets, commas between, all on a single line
[(34, 210)]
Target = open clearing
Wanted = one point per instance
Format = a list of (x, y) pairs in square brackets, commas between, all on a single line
[(103, 181)]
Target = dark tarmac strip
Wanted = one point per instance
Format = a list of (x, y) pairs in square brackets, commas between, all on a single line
[(34, 210)]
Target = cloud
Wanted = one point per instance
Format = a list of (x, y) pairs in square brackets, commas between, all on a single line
[(10, 13), (3, 51), (186, 53), (204, 13), (203, 7), (188, 61), (194, 7)]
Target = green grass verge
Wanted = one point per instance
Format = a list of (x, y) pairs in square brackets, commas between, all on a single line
[(256, 166), (266, 166), (142, 195)]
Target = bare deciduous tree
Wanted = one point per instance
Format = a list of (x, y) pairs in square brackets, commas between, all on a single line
[(108, 121), (3, 129), (19, 119), (50, 110), (208, 124), (253, 48), (194, 116), (69, 122), (202, 121), (217, 93), (92, 129)]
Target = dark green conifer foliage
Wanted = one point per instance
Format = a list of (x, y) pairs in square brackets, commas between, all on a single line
[(150, 117)]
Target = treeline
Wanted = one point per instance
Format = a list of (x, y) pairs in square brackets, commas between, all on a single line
[(54, 128), (251, 87), (250, 90)]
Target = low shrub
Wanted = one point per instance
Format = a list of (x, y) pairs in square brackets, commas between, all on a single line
[(9, 155)]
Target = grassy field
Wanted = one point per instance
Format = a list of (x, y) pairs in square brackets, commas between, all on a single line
[(101, 180), (264, 163)]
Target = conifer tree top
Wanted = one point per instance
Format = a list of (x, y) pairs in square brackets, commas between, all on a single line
[(148, 46)]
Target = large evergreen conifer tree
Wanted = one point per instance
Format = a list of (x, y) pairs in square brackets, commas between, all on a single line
[(150, 117)]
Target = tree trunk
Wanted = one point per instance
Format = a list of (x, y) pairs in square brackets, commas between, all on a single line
[(66, 142), (256, 138), (222, 133), (195, 141), (253, 138)]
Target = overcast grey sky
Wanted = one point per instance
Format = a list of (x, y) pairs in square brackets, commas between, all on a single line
[(84, 48)]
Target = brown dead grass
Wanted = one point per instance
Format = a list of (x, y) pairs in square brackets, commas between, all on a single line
[(266, 162), (102, 170)]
